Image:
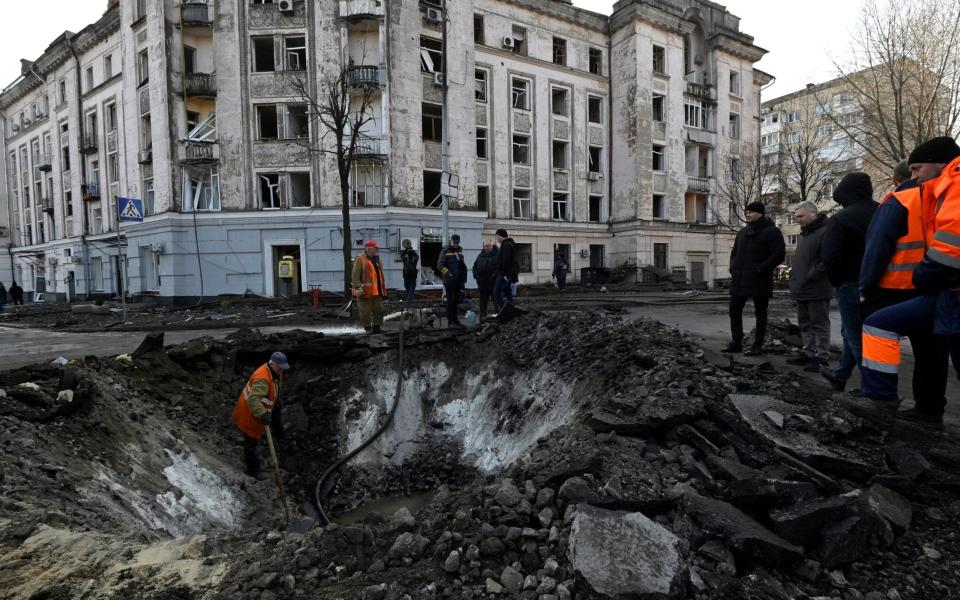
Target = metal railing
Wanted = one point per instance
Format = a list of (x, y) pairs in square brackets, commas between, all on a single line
[(45, 162), (201, 84), (195, 13), (46, 204), (698, 184), (90, 191), (363, 75), (701, 90), (89, 142), (199, 152)]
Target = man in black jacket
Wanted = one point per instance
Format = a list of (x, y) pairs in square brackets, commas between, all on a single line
[(454, 272), (411, 269), (507, 270), (485, 274), (842, 254), (757, 251)]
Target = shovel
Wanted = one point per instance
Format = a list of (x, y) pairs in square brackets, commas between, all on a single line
[(345, 311), (276, 465)]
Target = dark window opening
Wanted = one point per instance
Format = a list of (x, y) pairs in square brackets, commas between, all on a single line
[(431, 188), (263, 54), (432, 122), (594, 109), (483, 198), (478, 29), (267, 128), (559, 51), (595, 209), (596, 61)]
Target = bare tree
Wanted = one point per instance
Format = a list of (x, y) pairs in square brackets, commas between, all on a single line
[(903, 81), (341, 112), (744, 179), (809, 158)]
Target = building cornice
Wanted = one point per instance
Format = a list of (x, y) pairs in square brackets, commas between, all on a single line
[(566, 12)]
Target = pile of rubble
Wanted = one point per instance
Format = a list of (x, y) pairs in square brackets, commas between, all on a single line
[(675, 473)]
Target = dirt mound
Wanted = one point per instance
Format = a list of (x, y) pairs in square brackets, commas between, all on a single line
[(753, 487)]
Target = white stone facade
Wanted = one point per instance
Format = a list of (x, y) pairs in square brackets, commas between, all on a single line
[(553, 124)]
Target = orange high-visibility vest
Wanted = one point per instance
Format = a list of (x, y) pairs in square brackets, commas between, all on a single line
[(373, 283), (242, 416), (910, 247), (945, 242)]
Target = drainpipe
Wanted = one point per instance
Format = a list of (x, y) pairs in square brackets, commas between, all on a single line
[(83, 208)]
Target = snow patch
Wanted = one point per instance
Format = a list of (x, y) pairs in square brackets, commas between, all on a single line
[(204, 493)]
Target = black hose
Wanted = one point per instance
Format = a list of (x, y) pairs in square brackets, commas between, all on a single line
[(393, 410)]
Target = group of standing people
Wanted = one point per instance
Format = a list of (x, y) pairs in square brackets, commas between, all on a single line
[(894, 269), (15, 294), (495, 271)]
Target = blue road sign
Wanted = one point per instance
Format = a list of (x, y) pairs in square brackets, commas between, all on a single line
[(131, 209)]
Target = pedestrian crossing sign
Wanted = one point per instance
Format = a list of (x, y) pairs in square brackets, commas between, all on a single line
[(131, 209)]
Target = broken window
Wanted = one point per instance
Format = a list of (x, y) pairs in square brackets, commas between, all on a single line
[(366, 184), (267, 127), (735, 83), (431, 55), (483, 198), (735, 126), (659, 161), (560, 101), (201, 189), (481, 142), (477, 29), (193, 119), (206, 129), (431, 188), (560, 155), (432, 122), (299, 190), (269, 186), (110, 114), (594, 109), (295, 53), (595, 154), (524, 257), (520, 93), (521, 204), (263, 54), (521, 149), (559, 51), (658, 114), (298, 123), (660, 255), (189, 60), (659, 60), (519, 40), (481, 76), (659, 208), (561, 206), (596, 61)]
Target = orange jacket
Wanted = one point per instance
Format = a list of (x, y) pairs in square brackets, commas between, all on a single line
[(368, 278), (911, 246), (247, 418), (945, 195)]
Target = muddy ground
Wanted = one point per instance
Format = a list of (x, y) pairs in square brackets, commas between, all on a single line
[(555, 456)]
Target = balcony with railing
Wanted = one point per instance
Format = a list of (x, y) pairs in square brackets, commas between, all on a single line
[(45, 162), (46, 204), (370, 148), (359, 76), (698, 184), (197, 152), (353, 9), (200, 85), (704, 91), (90, 191), (194, 13), (89, 143)]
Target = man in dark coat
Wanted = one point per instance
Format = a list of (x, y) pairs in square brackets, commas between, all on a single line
[(842, 253), (411, 269), (485, 274), (16, 294), (507, 270), (3, 295), (560, 269), (811, 290), (757, 251), (454, 272)]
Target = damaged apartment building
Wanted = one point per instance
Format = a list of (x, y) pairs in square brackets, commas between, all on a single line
[(599, 138)]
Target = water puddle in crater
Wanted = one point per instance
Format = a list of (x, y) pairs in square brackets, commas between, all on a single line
[(385, 506)]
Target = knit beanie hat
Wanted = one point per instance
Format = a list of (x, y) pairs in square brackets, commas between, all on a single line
[(757, 207), (937, 150), (854, 186)]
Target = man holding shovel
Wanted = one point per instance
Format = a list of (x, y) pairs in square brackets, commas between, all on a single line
[(258, 409)]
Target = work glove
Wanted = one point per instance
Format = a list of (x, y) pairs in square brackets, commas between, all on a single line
[(267, 417)]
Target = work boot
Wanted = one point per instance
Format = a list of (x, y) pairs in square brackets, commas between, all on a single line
[(753, 351), (836, 383), (918, 417), (880, 412), (799, 360), (814, 365), (733, 347)]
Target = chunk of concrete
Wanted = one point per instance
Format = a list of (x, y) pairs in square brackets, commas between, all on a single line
[(853, 539), (801, 524), (731, 470), (894, 508), (741, 532), (617, 555), (774, 418), (908, 462), (766, 493), (653, 415)]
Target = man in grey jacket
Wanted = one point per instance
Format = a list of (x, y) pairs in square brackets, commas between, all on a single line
[(811, 289)]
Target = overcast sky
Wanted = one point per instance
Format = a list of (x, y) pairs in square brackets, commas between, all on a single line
[(803, 38)]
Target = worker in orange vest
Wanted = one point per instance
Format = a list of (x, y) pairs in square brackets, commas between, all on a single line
[(259, 406), (930, 163), (369, 287)]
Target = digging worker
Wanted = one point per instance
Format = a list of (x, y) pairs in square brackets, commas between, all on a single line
[(453, 270), (259, 406), (843, 247), (411, 269), (485, 274), (369, 287), (811, 289), (757, 250), (923, 239)]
